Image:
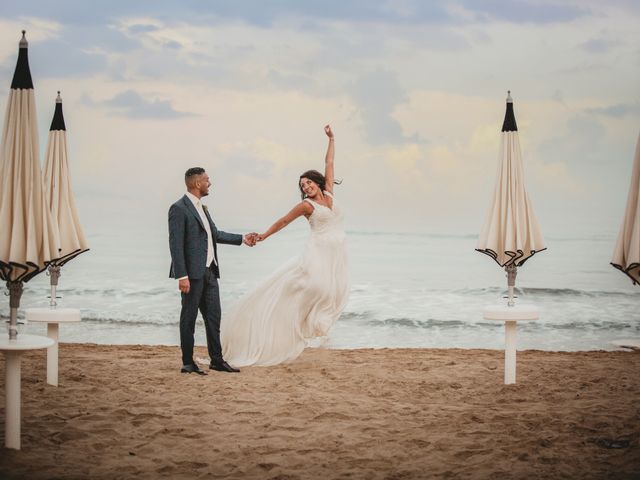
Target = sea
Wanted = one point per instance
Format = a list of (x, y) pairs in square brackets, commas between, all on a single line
[(409, 290)]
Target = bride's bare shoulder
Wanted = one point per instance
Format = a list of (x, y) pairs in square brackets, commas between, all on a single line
[(306, 206)]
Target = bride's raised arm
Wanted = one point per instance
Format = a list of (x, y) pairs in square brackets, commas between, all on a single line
[(328, 160)]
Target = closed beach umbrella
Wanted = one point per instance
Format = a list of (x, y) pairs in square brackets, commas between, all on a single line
[(511, 233), (28, 240), (60, 198), (626, 256)]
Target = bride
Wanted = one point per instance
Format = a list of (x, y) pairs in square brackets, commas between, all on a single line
[(303, 298)]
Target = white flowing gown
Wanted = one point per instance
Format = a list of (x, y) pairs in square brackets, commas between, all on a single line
[(300, 301)]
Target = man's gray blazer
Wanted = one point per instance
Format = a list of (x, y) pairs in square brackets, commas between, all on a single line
[(188, 240)]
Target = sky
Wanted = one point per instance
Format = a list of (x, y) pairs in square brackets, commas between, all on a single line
[(414, 90)]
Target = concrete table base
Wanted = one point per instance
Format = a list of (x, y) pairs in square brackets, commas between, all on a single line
[(12, 350), (53, 317), (510, 316)]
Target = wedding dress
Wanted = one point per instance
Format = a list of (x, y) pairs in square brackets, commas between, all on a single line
[(300, 301)]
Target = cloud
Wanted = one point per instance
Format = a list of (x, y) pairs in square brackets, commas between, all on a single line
[(584, 68), (617, 111), (599, 45), (522, 11), (290, 81), (415, 91), (249, 165), (558, 96), (81, 13), (259, 158), (262, 13), (377, 94), (132, 105), (139, 28), (57, 50), (558, 176), (568, 163), (60, 58), (172, 44), (407, 162), (255, 12), (38, 30), (306, 14)]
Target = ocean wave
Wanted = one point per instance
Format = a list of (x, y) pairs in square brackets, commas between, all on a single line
[(128, 322), (544, 291), (578, 293), (415, 323), (433, 323), (407, 322), (124, 320), (356, 315), (110, 292), (592, 325)]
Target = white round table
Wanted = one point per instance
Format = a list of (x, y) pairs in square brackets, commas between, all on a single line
[(510, 316), (53, 317), (12, 350)]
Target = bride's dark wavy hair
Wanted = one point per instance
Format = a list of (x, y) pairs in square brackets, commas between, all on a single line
[(316, 177)]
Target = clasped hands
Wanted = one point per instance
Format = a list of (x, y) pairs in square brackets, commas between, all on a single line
[(250, 239)]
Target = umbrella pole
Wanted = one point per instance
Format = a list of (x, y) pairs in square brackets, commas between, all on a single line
[(512, 271), (15, 292), (54, 273)]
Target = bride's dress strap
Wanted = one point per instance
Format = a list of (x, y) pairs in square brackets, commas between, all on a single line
[(329, 194), (313, 204)]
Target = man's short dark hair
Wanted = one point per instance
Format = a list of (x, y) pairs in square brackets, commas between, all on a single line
[(193, 171)]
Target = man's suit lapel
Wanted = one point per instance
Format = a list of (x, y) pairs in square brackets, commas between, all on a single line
[(191, 207), (206, 214)]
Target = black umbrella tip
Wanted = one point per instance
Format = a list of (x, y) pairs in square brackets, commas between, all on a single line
[(509, 124), (22, 74), (57, 123)]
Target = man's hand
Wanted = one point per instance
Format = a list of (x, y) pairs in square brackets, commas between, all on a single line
[(250, 239), (184, 285)]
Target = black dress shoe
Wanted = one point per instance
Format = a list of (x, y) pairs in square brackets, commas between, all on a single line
[(193, 368), (222, 367)]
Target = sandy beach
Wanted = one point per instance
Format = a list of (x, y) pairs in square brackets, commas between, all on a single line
[(127, 412)]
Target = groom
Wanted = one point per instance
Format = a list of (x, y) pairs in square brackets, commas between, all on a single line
[(193, 239)]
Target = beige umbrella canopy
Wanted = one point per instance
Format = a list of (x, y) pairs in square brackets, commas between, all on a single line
[(626, 256), (60, 198), (28, 240), (511, 233)]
